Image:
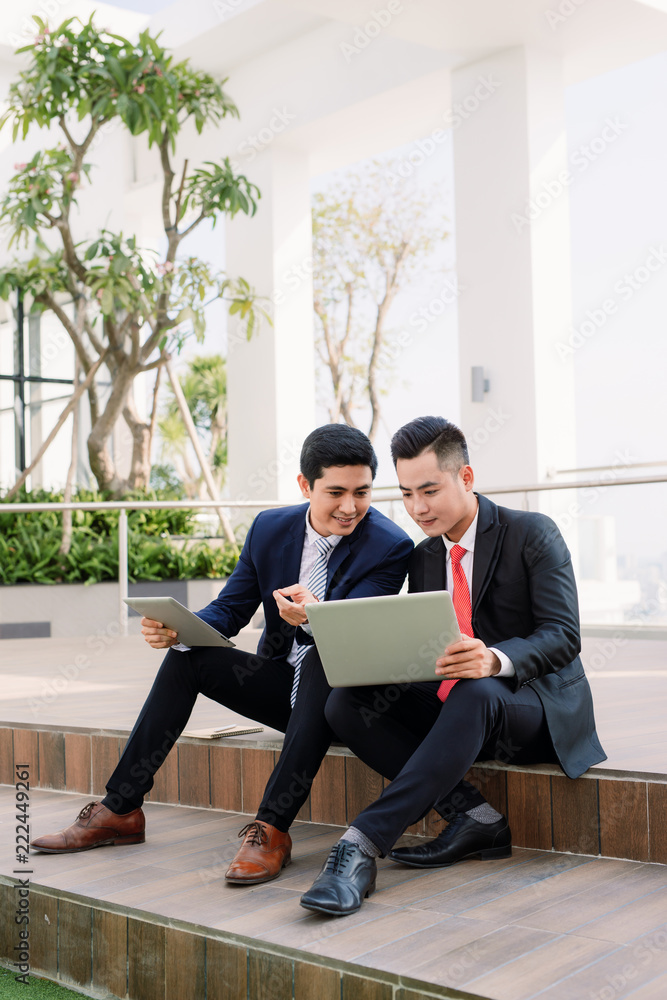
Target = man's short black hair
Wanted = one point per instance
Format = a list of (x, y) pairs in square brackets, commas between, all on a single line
[(335, 444), (431, 434)]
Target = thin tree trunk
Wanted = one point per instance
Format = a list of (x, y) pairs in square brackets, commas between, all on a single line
[(199, 451), (153, 422), (66, 542), (140, 468), (391, 288), (101, 462)]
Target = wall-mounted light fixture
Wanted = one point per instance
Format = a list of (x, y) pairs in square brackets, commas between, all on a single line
[(480, 384)]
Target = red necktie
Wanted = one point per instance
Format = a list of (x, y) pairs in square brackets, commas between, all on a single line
[(462, 606)]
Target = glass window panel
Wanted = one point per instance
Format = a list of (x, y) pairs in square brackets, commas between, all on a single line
[(49, 350), (7, 436), (7, 338), (619, 558)]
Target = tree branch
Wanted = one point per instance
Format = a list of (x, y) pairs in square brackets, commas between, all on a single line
[(180, 193), (92, 336), (155, 364), (166, 186), (49, 299), (192, 225), (71, 258)]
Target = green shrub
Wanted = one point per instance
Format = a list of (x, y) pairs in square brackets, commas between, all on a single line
[(30, 543)]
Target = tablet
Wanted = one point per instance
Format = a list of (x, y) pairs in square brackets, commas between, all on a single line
[(383, 640), (192, 631)]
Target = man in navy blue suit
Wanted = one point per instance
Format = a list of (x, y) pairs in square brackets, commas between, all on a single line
[(335, 546)]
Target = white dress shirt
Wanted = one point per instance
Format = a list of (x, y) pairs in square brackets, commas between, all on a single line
[(309, 555), (468, 543)]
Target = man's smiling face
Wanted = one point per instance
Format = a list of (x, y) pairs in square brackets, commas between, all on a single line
[(439, 500), (339, 499)]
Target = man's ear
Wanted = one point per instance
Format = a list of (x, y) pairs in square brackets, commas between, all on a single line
[(468, 477), (304, 485)]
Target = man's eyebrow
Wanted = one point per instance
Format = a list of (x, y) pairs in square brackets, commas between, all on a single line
[(423, 486), (366, 486)]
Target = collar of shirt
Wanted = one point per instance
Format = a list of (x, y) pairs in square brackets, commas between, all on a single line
[(467, 541), (312, 535)]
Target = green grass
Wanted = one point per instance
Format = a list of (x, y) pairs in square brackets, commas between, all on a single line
[(35, 989)]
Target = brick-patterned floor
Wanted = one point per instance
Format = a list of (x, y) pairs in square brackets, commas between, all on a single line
[(539, 924)]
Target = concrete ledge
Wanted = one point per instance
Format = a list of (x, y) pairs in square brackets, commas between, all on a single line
[(604, 813), (124, 952), (79, 609)]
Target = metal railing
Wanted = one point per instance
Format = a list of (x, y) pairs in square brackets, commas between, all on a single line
[(381, 494), (123, 506)]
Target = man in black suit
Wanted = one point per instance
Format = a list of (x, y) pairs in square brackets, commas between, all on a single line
[(513, 688), (334, 546)]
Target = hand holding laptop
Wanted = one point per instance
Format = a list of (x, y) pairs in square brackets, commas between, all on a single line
[(156, 635), (167, 623)]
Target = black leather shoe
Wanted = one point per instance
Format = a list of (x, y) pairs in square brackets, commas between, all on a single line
[(462, 838), (347, 878)]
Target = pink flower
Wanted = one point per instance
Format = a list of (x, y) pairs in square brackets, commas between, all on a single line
[(165, 268), (158, 71), (197, 93), (73, 177), (100, 293), (20, 166), (141, 88)]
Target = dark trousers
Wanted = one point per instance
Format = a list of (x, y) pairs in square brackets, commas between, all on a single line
[(254, 686), (426, 747)]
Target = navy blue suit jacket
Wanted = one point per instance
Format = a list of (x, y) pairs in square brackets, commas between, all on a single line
[(524, 602), (372, 561)]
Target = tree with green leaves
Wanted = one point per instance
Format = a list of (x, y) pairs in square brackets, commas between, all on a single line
[(369, 239), (120, 305)]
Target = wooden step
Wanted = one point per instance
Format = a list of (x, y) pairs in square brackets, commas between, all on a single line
[(607, 812), (157, 921)]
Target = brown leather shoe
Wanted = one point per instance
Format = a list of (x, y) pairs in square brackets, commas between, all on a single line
[(262, 856), (95, 826)]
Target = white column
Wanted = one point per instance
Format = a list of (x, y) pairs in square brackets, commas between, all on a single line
[(271, 392), (513, 254)]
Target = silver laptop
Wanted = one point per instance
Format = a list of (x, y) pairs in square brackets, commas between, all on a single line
[(383, 640), (192, 631)]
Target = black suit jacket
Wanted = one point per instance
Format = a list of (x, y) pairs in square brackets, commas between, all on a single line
[(524, 602)]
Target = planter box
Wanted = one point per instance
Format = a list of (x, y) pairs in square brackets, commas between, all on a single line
[(74, 609)]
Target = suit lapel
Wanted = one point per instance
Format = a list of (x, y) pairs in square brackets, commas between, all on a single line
[(435, 565), (487, 548), (291, 547), (345, 547)]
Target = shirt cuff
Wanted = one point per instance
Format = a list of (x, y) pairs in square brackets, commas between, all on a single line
[(506, 665), (181, 647), (306, 628)]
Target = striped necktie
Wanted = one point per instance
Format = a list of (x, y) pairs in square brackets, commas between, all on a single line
[(462, 606), (317, 585)]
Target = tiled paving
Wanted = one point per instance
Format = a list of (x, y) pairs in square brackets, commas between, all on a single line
[(158, 922), (538, 924)]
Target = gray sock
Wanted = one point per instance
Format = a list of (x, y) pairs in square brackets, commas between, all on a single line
[(354, 836), (484, 814)]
